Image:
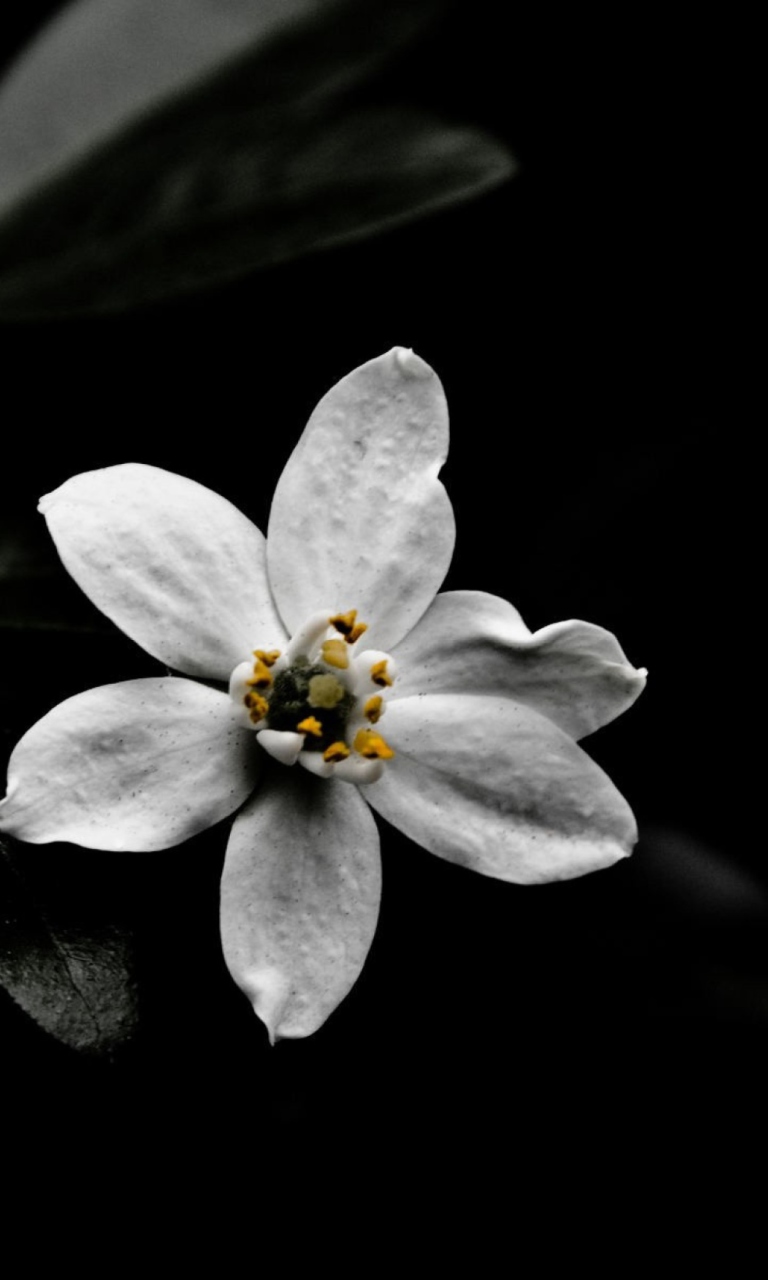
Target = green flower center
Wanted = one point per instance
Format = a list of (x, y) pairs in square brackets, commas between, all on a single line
[(306, 693), (318, 702)]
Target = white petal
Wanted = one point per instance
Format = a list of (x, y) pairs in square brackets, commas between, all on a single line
[(176, 566), (469, 642), (359, 519), (139, 765), (300, 898), (496, 787)]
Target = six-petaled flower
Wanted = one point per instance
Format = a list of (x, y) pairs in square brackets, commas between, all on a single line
[(337, 681)]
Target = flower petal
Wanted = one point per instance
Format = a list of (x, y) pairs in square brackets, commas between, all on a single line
[(300, 898), (359, 519), (494, 786), (176, 566), (469, 642), (139, 765)]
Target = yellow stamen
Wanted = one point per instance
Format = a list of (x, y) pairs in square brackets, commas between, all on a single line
[(372, 745), (268, 656), (257, 706), (261, 678), (336, 751), (374, 708), (335, 654), (379, 673), (343, 622), (310, 725), (325, 691)]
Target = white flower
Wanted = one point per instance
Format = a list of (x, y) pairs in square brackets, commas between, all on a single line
[(446, 715)]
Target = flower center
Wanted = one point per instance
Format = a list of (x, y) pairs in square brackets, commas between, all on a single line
[(318, 700)]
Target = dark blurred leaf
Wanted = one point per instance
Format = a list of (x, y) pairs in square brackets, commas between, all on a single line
[(74, 977), (297, 144), (99, 63), (690, 879)]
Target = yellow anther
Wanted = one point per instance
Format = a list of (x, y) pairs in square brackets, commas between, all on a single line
[(356, 632), (336, 751), (373, 708), (310, 725), (268, 656), (343, 622), (325, 691), (335, 654), (261, 678), (258, 707), (372, 745), (379, 673)]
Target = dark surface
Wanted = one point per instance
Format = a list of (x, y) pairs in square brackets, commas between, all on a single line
[(582, 322)]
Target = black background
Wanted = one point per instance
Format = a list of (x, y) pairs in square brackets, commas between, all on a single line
[(584, 316)]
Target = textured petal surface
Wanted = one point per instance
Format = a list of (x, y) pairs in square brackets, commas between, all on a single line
[(300, 898), (176, 566), (139, 765), (496, 787), (359, 519), (469, 642)]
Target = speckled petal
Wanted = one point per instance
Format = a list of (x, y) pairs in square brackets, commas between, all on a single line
[(574, 673), (142, 765), (176, 566), (300, 898), (359, 518), (494, 786)]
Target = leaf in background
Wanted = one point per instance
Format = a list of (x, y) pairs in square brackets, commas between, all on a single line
[(138, 167), (100, 63), (74, 977)]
